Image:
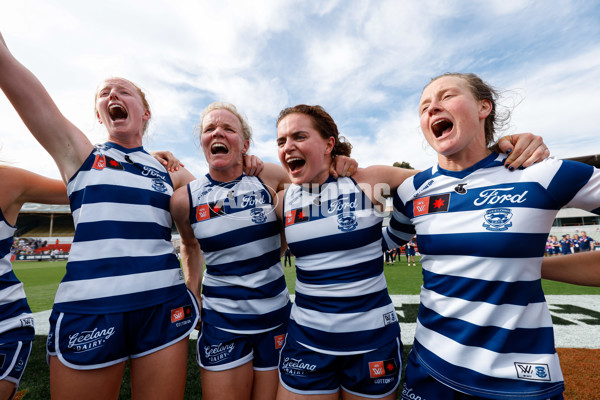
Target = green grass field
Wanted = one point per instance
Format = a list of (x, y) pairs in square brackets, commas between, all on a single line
[(41, 280)]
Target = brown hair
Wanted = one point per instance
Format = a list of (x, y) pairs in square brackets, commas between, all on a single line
[(324, 124), (481, 90)]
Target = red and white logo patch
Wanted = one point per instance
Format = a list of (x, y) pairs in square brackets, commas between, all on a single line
[(279, 339), (377, 369), (177, 314), (99, 162), (202, 212)]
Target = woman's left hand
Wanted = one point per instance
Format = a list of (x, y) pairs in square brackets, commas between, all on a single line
[(253, 165), (343, 166), (523, 149), (167, 159)]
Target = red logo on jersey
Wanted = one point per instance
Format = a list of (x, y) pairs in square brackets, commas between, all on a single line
[(202, 212), (294, 216), (279, 339), (431, 204), (99, 162), (378, 369)]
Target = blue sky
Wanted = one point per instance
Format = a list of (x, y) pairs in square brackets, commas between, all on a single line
[(365, 61)]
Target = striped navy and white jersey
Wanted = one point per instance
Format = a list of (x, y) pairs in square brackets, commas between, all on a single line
[(342, 305), (122, 257), (14, 310), (243, 287), (483, 325)]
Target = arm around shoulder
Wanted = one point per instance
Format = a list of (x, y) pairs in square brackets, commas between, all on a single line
[(578, 269)]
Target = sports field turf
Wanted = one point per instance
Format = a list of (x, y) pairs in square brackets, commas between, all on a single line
[(41, 280)]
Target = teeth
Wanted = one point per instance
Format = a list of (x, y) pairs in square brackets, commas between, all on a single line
[(218, 145), (289, 160)]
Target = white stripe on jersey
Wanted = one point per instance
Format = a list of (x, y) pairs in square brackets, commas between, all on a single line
[(507, 316), (339, 259), (107, 211), (345, 289), (341, 322), (244, 251), (87, 289), (482, 268), (12, 293), (253, 306), (85, 251), (16, 322), (479, 359), (249, 280), (528, 220)]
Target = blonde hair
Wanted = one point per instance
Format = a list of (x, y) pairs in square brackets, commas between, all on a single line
[(221, 105)]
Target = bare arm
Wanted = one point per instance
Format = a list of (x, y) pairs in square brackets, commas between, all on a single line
[(274, 176), (577, 269), (181, 177), (21, 186), (64, 141), (192, 260)]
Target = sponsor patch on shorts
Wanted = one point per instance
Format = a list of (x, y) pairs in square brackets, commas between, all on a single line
[(181, 313), (279, 339), (377, 369)]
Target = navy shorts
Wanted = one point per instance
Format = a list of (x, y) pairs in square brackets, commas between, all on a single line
[(374, 374), (96, 341), (418, 384), (219, 350), (13, 359), (410, 251)]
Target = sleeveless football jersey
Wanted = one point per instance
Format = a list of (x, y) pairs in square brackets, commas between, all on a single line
[(121, 258), (342, 305), (243, 288), (483, 325), (14, 310)]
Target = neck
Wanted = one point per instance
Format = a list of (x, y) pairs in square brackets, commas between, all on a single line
[(227, 174), (462, 160)]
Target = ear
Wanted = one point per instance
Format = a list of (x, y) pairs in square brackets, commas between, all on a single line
[(485, 108), (246, 146), (330, 144), (98, 116), (146, 116)]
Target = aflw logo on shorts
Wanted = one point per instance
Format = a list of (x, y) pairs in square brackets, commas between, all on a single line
[(279, 339), (377, 369), (181, 313)]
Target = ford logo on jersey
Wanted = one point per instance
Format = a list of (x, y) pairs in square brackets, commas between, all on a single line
[(347, 222), (497, 219)]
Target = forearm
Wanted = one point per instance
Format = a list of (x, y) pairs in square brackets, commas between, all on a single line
[(192, 262), (578, 269)]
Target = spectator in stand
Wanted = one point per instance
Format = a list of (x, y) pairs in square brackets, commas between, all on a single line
[(586, 243), (565, 245), (409, 247), (576, 244), (555, 246)]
